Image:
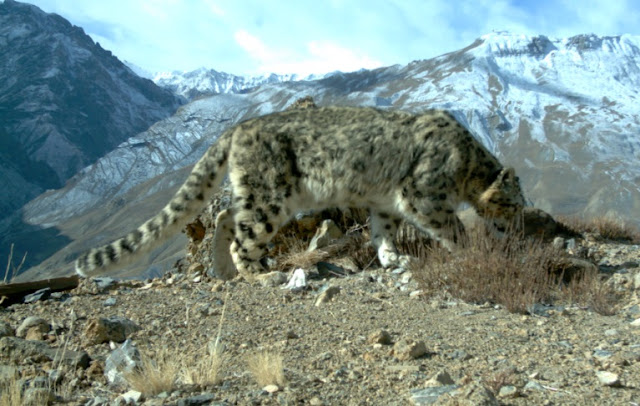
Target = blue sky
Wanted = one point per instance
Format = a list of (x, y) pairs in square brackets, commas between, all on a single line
[(319, 36)]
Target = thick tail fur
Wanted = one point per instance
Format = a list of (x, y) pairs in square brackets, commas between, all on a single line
[(193, 195)]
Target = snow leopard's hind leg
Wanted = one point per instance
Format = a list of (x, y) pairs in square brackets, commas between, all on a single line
[(255, 226), (223, 236)]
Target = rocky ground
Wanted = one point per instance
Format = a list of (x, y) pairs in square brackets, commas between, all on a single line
[(344, 337)]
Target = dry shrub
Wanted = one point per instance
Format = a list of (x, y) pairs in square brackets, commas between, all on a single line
[(590, 290), (511, 271), (267, 368), (504, 377), (204, 371), (157, 375), (606, 227)]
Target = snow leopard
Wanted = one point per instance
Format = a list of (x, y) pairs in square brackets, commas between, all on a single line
[(400, 166)]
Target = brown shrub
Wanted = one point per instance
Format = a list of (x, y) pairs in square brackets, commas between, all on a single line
[(512, 271), (606, 227)]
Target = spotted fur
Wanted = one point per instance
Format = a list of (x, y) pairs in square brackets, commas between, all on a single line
[(400, 166)]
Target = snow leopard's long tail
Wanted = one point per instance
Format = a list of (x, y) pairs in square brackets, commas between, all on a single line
[(193, 195)]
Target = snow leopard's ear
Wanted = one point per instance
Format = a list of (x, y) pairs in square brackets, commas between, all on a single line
[(507, 176)]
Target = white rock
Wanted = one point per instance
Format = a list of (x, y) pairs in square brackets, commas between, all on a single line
[(132, 397), (298, 280), (608, 378), (271, 388)]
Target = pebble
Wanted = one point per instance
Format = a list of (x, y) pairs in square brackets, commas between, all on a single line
[(379, 337), (111, 301), (508, 391), (430, 396), (102, 330), (407, 349), (608, 378), (327, 295), (635, 323), (272, 279), (271, 388), (534, 386), (441, 378)]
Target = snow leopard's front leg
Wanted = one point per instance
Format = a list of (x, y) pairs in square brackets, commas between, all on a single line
[(383, 234)]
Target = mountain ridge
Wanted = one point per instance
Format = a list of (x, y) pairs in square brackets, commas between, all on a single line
[(569, 129)]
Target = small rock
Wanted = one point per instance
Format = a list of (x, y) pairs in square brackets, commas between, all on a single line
[(407, 349), (635, 323), (441, 378), (602, 355), (111, 301), (42, 294), (195, 268), (611, 332), (460, 355), (17, 349), (608, 378), (379, 337), (327, 232), (327, 295), (327, 268), (534, 386), (430, 396), (132, 397), (103, 330), (33, 323), (204, 399), (271, 388), (636, 280), (272, 279), (120, 362), (508, 391)]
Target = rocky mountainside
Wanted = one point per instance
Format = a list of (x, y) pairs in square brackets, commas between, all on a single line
[(64, 102), (561, 111)]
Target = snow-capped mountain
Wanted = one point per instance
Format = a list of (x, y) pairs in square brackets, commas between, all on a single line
[(561, 111), (208, 82)]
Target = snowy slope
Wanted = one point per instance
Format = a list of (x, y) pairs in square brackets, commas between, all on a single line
[(207, 82)]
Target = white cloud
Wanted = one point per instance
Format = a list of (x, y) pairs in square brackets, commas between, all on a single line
[(317, 57)]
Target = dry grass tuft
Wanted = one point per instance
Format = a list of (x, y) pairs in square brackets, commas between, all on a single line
[(157, 375), (294, 253), (267, 368), (204, 371), (606, 227), (11, 391)]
